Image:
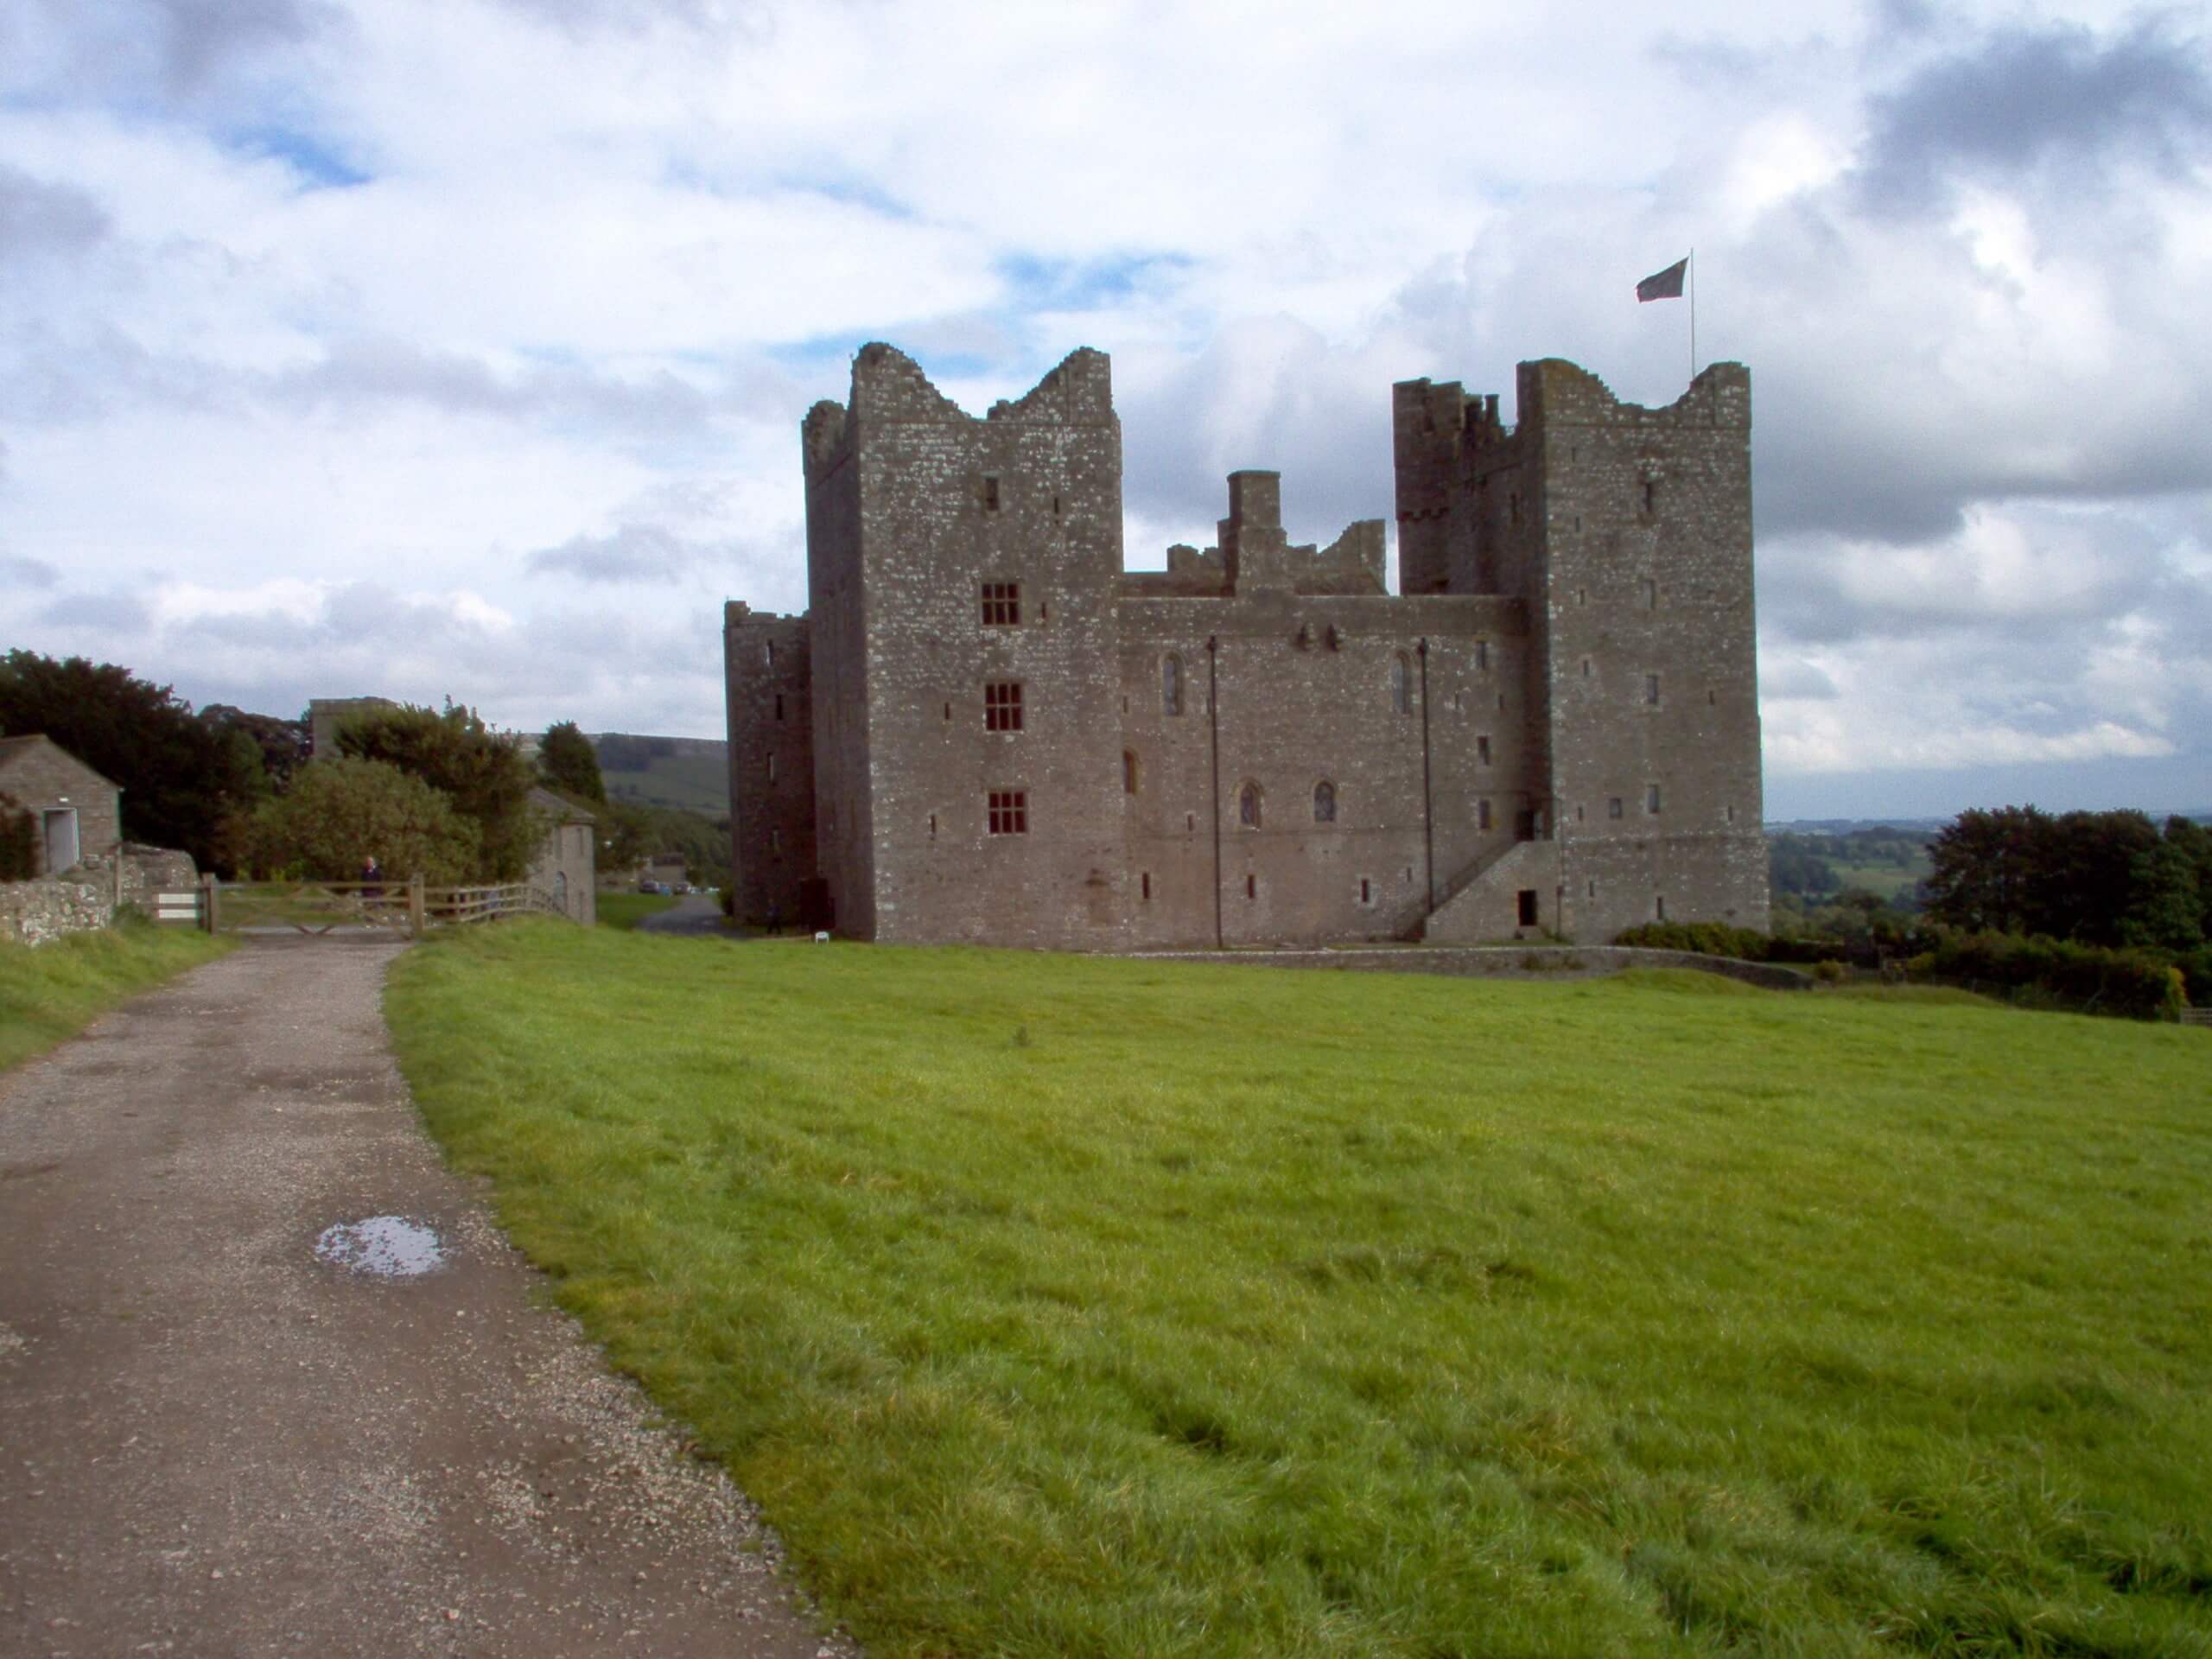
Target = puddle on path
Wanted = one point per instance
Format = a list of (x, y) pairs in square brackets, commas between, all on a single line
[(391, 1247)]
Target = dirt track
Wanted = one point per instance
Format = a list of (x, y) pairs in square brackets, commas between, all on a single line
[(211, 1441)]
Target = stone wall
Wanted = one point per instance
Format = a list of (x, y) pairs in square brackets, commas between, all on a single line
[(32, 912), (1507, 960), (39, 912)]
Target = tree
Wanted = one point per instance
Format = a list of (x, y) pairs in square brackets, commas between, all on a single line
[(1988, 869), (570, 764), (18, 840), (338, 812), (482, 773), (2194, 841), (281, 744), (181, 778)]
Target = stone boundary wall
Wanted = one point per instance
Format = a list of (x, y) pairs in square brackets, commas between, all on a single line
[(83, 900), (1505, 961), (42, 911)]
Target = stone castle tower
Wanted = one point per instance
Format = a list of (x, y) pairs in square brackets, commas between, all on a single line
[(985, 729)]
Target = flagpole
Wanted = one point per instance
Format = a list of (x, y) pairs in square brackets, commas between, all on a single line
[(1692, 312)]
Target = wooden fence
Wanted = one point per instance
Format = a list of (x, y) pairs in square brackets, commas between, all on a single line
[(315, 908)]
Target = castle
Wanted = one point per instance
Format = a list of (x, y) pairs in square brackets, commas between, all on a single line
[(984, 729)]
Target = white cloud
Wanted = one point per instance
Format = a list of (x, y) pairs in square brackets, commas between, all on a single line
[(404, 319)]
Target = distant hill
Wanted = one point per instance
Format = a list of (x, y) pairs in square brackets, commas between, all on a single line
[(691, 772)]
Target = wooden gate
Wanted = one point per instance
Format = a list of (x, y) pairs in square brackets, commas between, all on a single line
[(319, 908)]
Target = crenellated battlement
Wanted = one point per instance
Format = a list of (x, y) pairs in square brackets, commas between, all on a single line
[(1555, 392)]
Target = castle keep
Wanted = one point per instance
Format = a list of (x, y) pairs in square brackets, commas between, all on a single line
[(984, 729)]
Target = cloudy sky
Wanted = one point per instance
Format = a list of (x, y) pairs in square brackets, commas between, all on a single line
[(458, 347)]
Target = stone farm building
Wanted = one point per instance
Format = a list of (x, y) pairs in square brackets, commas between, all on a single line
[(76, 814), (985, 729)]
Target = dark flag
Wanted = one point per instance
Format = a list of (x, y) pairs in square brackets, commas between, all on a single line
[(1663, 284)]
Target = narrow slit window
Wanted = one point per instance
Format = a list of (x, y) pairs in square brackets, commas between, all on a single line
[(1659, 906), (1401, 683), (1482, 750), (1651, 799), (1325, 802), (1650, 497), (1651, 595), (1482, 656), (1248, 806), (1366, 894), (1144, 887), (1009, 812), (932, 826), (772, 768), (1613, 807), (1482, 813), (1002, 706), (990, 495), (1001, 604), (780, 705), (1128, 771), (1251, 887), (1171, 685), (1651, 690)]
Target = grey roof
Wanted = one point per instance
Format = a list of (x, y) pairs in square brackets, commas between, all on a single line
[(13, 749)]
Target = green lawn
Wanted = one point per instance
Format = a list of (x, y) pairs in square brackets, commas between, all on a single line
[(51, 992), (626, 909), (1078, 1306)]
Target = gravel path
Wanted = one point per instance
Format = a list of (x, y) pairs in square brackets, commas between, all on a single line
[(214, 1441)]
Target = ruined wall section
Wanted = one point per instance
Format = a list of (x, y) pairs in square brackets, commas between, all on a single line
[(768, 690), (989, 550), (1648, 648)]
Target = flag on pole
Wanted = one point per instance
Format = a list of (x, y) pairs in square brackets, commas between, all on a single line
[(1663, 284)]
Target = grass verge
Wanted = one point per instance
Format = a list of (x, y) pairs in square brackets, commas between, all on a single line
[(1072, 1307), (52, 992), (624, 911)]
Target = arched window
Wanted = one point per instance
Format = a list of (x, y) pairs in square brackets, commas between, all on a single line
[(1171, 685), (1401, 683), (1325, 802), (1248, 807)]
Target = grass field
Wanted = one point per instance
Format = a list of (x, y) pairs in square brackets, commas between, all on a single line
[(55, 991), (625, 910), (1073, 1307)]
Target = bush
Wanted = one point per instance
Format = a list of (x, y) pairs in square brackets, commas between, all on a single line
[(2196, 975), (1828, 972), (1705, 939), (340, 811), (18, 842), (2093, 979)]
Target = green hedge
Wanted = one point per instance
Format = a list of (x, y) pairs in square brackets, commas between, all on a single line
[(1719, 939), (2096, 979)]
